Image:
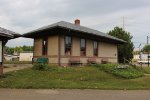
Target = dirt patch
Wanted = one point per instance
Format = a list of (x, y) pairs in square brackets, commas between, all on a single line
[(14, 67)]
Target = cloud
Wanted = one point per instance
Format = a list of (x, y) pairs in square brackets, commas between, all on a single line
[(20, 42), (22, 16)]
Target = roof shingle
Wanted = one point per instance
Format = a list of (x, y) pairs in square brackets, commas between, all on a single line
[(8, 33), (71, 26)]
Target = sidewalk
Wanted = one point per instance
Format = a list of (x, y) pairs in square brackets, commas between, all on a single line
[(73, 94), (14, 67)]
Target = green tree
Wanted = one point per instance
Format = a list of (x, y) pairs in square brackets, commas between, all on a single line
[(11, 50), (27, 48), (18, 49), (146, 48), (8, 50), (125, 51)]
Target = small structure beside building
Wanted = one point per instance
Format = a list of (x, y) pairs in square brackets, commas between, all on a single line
[(10, 57), (64, 44), (5, 35), (142, 57), (22, 56), (25, 56)]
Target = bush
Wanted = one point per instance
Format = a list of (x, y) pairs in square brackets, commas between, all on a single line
[(40, 66), (106, 67), (128, 73), (146, 70)]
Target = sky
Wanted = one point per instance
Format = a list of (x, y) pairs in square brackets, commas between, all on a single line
[(22, 16)]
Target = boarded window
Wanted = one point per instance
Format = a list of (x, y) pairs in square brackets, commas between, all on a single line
[(83, 47), (68, 45)]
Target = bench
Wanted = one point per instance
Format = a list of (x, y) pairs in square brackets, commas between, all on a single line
[(104, 61), (75, 61), (91, 61), (40, 60)]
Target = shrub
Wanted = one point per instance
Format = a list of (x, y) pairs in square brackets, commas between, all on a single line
[(127, 73), (146, 70), (40, 66), (106, 67)]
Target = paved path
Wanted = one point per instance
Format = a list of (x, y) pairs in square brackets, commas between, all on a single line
[(13, 67), (75, 94)]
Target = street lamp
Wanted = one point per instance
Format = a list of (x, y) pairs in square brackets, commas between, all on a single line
[(148, 50)]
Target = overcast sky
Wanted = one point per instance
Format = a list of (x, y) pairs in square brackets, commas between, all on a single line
[(22, 16)]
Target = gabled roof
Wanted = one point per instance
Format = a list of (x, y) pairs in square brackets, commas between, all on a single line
[(63, 24), (8, 33)]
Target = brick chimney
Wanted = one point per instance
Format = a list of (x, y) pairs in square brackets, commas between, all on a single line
[(77, 22)]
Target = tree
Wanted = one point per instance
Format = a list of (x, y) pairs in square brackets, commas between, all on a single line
[(125, 51), (18, 49), (11, 50), (146, 48), (27, 48), (8, 50)]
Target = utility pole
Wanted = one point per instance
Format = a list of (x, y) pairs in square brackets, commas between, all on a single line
[(140, 52), (148, 50), (123, 23)]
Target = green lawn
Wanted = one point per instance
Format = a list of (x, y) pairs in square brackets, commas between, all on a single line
[(17, 62), (146, 70), (71, 78)]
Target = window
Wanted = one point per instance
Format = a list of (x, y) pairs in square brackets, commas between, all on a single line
[(44, 50), (68, 45), (1, 49), (82, 47), (95, 48)]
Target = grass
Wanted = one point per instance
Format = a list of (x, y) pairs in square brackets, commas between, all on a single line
[(146, 70), (17, 62), (71, 78)]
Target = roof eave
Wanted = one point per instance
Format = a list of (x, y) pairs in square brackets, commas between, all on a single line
[(29, 34), (6, 35), (119, 41), (17, 35)]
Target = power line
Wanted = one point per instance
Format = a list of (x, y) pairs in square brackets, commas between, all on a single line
[(139, 43)]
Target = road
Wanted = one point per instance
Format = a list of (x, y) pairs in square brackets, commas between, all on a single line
[(74, 94)]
